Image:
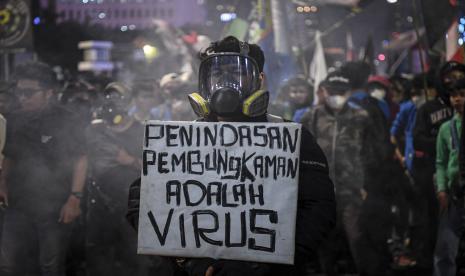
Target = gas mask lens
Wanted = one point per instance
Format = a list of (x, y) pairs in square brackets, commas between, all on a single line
[(225, 80)]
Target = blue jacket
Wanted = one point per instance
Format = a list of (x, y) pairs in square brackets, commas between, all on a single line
[(299, 113), (360, 95), (404, 123)]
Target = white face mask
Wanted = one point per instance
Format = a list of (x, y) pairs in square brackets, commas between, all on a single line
[(418, 100), (378, 94), (336, 102)]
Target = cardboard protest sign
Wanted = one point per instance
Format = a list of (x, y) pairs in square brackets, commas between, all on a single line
[(220, 190)]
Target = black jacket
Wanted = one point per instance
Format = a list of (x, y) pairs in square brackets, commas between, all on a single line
[(430, 117), (316, 215)]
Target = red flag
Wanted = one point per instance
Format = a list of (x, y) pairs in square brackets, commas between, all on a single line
[(459, 56)]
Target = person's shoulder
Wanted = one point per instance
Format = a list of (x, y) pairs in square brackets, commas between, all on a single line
[(318, 108), (406, 104), (407, 107), (357, 110), (445, 126), (434, 103), (311, 155), (307, 136)]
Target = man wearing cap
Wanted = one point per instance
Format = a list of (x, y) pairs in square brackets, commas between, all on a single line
[(230, 82), (344, 132)]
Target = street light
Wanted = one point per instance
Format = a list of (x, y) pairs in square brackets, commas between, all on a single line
[(392, 1), (150, 51)]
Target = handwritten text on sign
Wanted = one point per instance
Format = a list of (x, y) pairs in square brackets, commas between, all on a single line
[(220, 190)]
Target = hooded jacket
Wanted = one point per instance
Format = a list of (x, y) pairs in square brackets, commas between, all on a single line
[(346, 139)]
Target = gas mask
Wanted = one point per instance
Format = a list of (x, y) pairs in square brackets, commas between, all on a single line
[(115, 105), (229, 85)]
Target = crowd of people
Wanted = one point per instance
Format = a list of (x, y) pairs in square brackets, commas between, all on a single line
[(392, 144), (73, 149)]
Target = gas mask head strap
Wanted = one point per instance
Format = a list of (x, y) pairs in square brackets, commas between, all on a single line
[(244, 48)]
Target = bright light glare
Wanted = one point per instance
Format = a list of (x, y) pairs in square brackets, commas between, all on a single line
[(150, 51), (227, 16)]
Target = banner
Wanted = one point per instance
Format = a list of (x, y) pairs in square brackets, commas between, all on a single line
[(220, 190)]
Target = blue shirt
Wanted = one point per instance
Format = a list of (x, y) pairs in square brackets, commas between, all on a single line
[(404, 123), (299, 113)]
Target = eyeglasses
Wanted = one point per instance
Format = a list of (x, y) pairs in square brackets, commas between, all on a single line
[(27, 93)]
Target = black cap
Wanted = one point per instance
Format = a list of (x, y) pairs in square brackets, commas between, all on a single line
[(449, 67), (337, 83), (458, 85)]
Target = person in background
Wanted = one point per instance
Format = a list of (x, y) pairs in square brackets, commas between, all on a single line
[(175, 88), (448, 187), (6, 104), (300, 96), (114, 158), (401, 86), (79, 97), (8, 101), (344, 131), (379, 87), (450, 73), (374, 219), (358, 73), (42, 178), (402, 139), (281, 105), (321, 93), (295, 97), (144, 101), (402, 129), (430, 116)]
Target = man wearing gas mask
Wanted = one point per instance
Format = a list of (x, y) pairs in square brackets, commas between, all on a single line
[(345, 133), (230, 89), (114, 147)]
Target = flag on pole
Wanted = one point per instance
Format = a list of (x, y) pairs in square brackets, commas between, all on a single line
[(280, 63), (318, 70), (369, 54), (437, 18), (350, 47), (459, 55), (454, 52)]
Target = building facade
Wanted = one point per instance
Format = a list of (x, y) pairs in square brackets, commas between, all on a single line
[(131, 14)]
